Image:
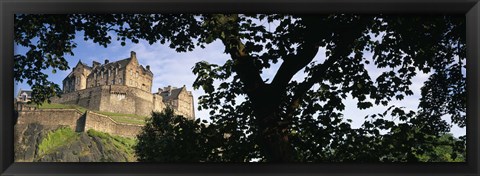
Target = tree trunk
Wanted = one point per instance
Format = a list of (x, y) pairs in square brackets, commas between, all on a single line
[(273, 138), (276, 147), (265, 98)]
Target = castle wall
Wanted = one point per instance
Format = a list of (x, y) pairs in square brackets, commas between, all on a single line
[(89, 98), (126, 100), (53, 118), (158, 104), (105, 124), (80, 122), (99, 122), (113, 98), (184, 104)]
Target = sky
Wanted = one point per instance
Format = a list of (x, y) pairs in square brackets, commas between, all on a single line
[(172, 68)]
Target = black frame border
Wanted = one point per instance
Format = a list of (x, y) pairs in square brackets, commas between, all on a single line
[(471, 9)]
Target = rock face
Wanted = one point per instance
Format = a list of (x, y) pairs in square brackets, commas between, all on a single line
[(84, 148)]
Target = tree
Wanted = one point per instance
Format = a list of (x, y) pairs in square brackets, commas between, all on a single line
[(170, 138), (450, 149), (283, 120)]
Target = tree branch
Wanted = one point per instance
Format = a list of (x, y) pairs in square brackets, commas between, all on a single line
[(244, 64), (303, 87), (294, 63)]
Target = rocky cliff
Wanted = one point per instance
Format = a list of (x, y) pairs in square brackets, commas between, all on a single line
[(38, 143)]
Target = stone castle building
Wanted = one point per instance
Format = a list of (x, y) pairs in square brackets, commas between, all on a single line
[(122, 86)]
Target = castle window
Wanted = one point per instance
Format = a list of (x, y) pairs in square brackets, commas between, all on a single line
[(116, 71), (119, 80), (95, 76), (136, 75), (102, 74), (109, 73), (113, 81), (131, 72)]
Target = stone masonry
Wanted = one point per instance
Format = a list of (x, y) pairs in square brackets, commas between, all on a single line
[(123, 86)]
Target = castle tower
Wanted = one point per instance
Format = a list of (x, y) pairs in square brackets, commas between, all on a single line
[(138, 76), (77, 79), (179, 99)]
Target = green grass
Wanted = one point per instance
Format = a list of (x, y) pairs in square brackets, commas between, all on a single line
[(123, 144), (61, 106), (55, 139)]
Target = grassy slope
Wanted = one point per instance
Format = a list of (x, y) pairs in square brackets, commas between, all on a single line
[(55, 139), (120, 143), (64, 136)]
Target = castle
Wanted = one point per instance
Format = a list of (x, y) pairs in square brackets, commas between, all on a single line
[(123, 86)]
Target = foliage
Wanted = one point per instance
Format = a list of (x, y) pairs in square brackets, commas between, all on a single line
[(55, 139), (283, 120), (450, 149), (172, 138), (126, 145)]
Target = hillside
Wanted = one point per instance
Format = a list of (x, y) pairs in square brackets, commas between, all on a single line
[(37, 143)]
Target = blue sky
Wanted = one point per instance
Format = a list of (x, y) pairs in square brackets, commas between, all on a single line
[(172, 68)]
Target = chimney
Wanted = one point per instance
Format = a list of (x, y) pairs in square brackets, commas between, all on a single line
[(148, 67), (160, 90), (133, 54), (106, 61)]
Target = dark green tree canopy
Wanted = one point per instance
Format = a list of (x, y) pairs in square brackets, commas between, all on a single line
[(284, 120)]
